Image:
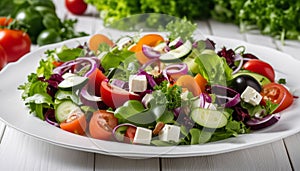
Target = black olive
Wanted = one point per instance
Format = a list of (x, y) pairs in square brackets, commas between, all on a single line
[(241, 82)]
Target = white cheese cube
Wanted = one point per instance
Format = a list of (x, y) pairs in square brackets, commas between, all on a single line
[(137, 83), (142, 136), (169, 133), (250, 95)]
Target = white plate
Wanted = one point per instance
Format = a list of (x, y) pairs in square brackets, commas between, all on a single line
[(16, 115)]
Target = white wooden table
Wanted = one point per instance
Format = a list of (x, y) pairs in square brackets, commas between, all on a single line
[(19, 151)]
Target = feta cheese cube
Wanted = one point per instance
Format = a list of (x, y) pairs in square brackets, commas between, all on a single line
[(142, 136), (137, 83), (169, 133), (250, 95)]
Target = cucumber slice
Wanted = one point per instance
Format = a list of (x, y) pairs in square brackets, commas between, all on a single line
[(73, 82), (178, 53), (64, 109), (209, 118)]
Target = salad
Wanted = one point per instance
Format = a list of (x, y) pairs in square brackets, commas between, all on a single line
[(155, 89)]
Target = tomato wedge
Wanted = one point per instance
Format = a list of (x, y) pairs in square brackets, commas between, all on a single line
[(129, 134), (278, 94), (75, 124), (102, 124), (95, 79), (260, 67), (115, 97)]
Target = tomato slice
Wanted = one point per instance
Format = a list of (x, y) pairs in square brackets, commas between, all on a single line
[(75, 124), (115, 97), (129, 134), (260, 67), (95, 79), (102, 124), (278, 94)]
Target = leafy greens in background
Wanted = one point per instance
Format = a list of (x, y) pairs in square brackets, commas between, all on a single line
[(277, 18)]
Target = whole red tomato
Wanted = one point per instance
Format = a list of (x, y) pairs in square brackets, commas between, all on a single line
[(15, 42), (3, 57), (77, 7)]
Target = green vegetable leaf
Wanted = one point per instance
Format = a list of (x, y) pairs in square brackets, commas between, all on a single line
[(213, 68), (39, 98), (199, 136), (45, 68), (115, 58)]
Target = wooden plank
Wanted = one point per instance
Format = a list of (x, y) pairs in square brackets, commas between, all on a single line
[(267, 157), (19, 151), (113, 163), (227, 30), (292, 146)]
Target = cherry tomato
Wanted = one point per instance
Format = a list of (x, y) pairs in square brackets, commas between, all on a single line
[(102, 124), (260, 67), (115, 97), (75, 124), (95, 79), (129, 134), (15, 42), (3, 57), (77, 7), (278, 94)]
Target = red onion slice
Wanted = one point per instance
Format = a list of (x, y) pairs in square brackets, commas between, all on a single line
[(226, 96), (176, 70), (238, 57), (176, 43), (150, 52), (93, 62), (117, 127), (259, 123), (49, 117)]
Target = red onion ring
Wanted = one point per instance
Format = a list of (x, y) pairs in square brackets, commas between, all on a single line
[(238, 57), (150, 52), (48, 118), (118, 126), (176, 70), (224, 93), (93, 62), (259, 123)]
